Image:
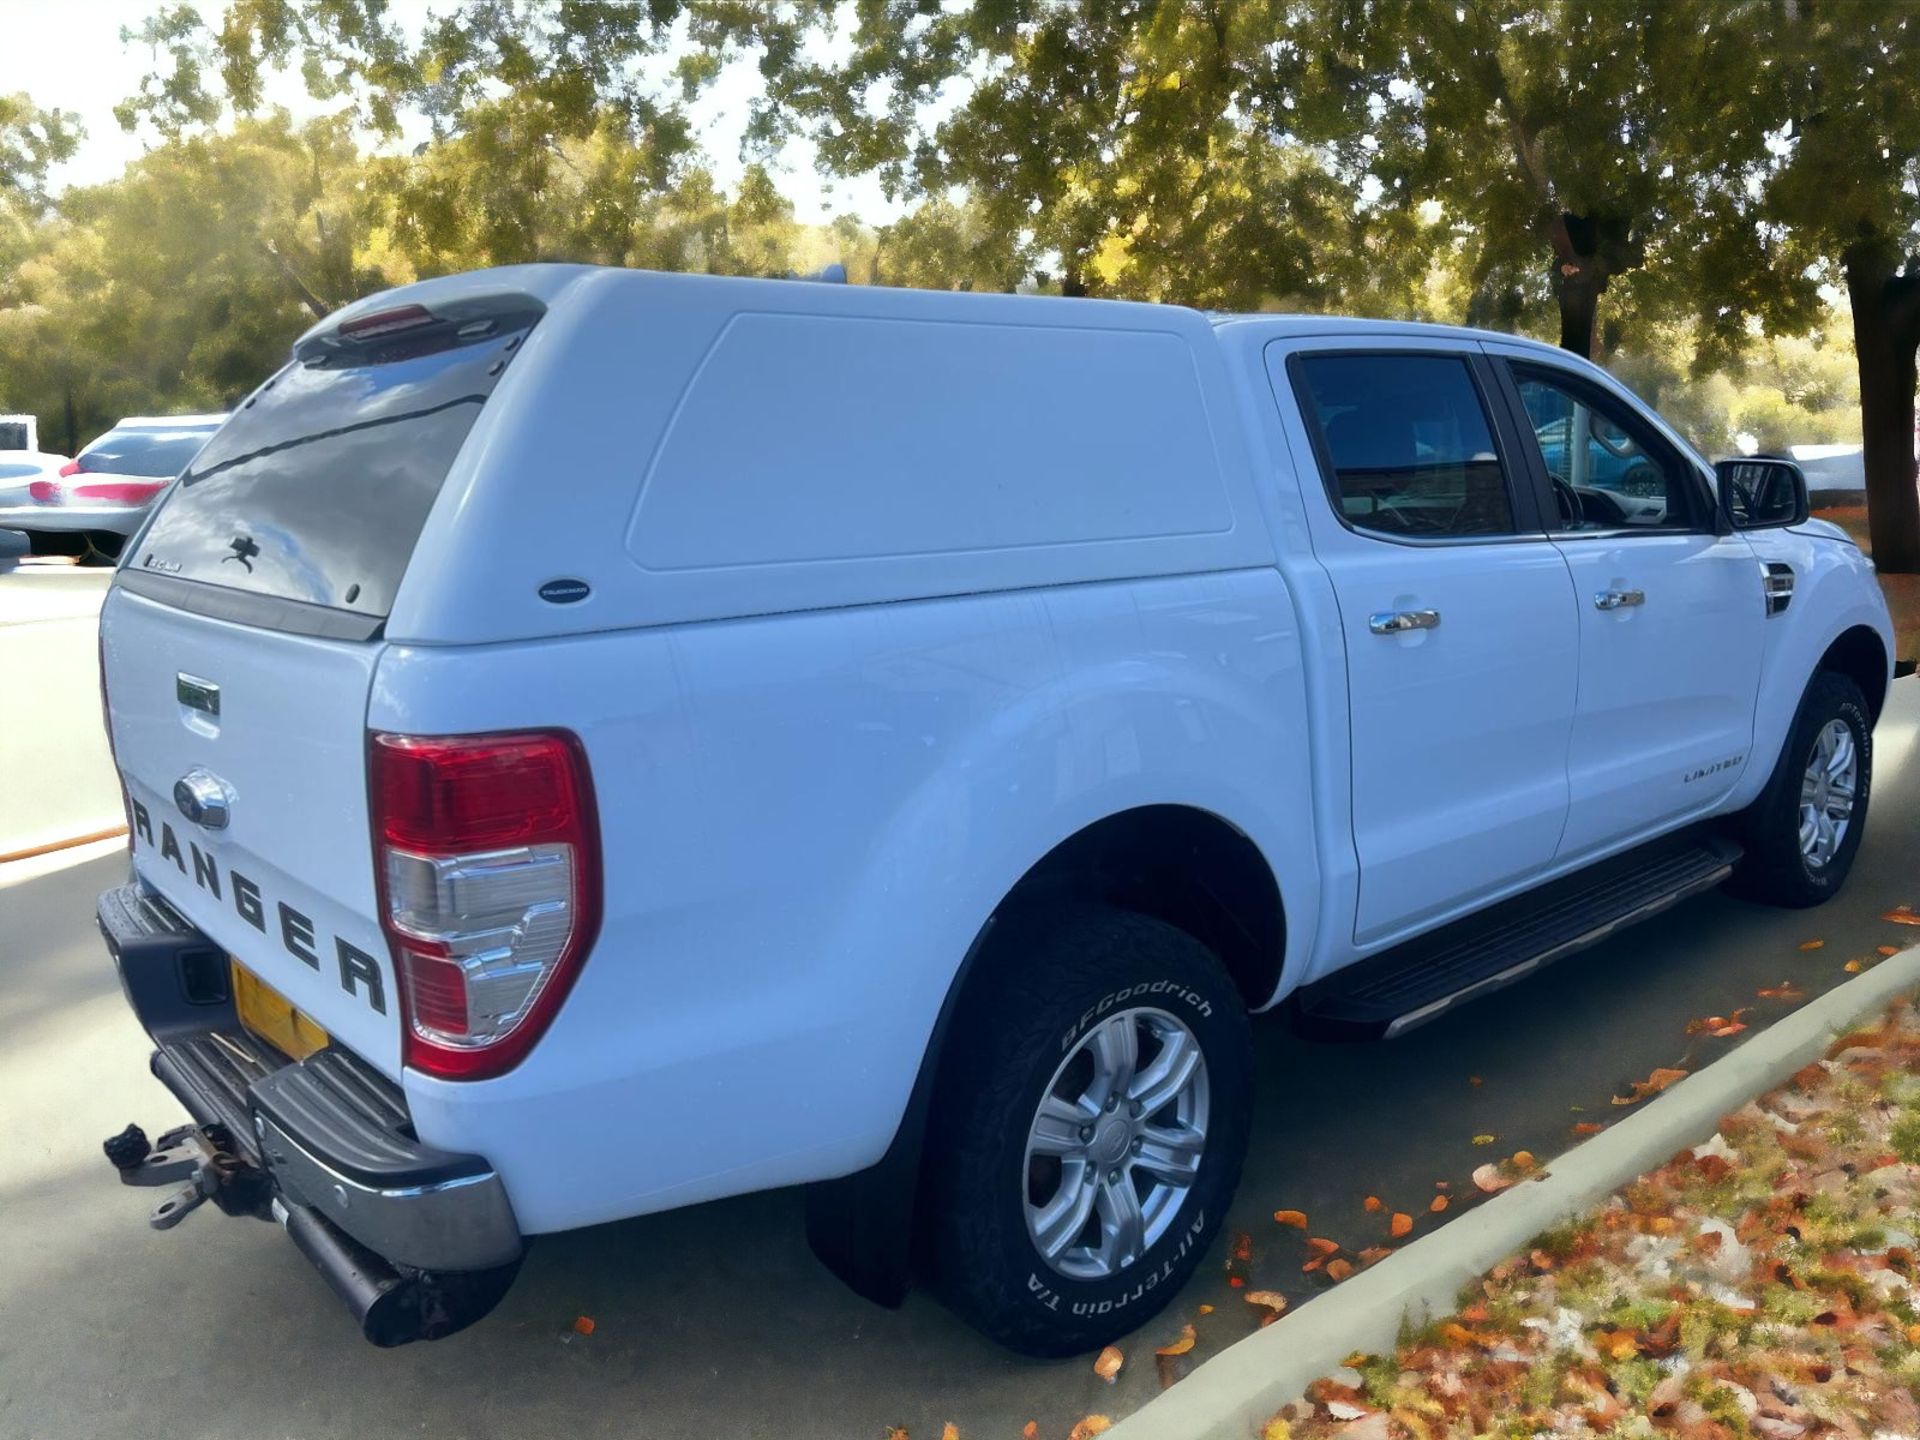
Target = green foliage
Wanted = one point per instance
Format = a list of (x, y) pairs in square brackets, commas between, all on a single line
[(1906, 1137)]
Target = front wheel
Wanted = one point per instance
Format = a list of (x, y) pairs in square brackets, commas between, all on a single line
[(1089, 1128), (1802, 833)]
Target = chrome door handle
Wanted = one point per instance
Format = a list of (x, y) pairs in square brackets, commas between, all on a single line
[(1618, 599), (1398, 622)]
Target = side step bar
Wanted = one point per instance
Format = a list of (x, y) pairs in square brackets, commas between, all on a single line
[(1391, 993)]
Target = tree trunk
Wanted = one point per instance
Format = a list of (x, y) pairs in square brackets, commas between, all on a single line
[(73, 423), (1886, 336), (1579, 297), (1588, 251)]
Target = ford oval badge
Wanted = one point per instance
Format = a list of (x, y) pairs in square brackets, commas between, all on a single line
[(564, 592)]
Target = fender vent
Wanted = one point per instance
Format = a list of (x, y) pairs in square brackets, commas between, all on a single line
[(1776, 581)]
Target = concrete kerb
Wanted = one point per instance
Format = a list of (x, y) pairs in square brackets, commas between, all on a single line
[(1232, 1395)]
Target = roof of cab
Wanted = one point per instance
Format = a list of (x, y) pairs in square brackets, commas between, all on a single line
[(1295, 326)]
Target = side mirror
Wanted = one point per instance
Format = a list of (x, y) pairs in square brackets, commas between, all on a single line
[(1761, 494)]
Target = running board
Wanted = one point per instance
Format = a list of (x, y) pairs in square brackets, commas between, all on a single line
[(1389, 994)]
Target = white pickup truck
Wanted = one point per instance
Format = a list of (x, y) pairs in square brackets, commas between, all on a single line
[(595, 741)]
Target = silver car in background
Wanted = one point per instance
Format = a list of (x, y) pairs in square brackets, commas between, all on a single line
[(89, 506)]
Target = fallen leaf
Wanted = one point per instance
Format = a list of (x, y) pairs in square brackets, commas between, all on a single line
[(1235, 1281), (1901, 915), (1785, 990), (1205, 1310), (1853, 967), (1485, 1139), (583, 1325), (1338, 1270), (1443, 1184), (1277, 1429), (1489, 1179), (1588, 1127), (1400, 1225), (896, 1432), (1342, 1410), (1107, 1364), (1374, 1254), (1371, 1204), (1322, 1246), (1811, 944), (1243, 1247), (949, 1431), (1180, 1346), (1439, 1204), (1523, 1160), (1475, 1081), (1272, 1299), (1295, 1218), (1656, 1082), (1888, 949), (1089, 1426), (1030, 1430)]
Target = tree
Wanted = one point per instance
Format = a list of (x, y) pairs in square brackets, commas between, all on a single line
[(1846, 80), (32, 141)]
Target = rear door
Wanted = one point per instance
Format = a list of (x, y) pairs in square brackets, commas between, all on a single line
[(1458, 619), (239, 645)]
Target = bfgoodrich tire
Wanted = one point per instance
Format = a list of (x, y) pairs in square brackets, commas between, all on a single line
[(1802, 833), (1088, 1128)]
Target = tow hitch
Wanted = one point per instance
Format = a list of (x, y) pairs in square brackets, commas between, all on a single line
[(200, 1162)]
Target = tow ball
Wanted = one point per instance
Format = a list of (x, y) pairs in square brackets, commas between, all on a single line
[(198, 1161)]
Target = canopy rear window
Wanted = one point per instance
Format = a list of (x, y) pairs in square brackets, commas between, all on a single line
[(153, 453), (316, 491)]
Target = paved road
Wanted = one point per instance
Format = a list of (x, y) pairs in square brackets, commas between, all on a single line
[(716, 1321)]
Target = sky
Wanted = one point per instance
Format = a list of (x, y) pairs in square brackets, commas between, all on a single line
[(67, 54)]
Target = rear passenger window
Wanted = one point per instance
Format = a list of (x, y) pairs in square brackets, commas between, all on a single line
[(1408, 443)]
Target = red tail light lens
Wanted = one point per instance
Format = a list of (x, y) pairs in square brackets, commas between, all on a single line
[(386, 322), (120, 492), (44, 490), (72, 467), (488, 865)]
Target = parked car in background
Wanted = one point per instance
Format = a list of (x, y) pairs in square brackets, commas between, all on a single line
[(19, 469), (90, 504)]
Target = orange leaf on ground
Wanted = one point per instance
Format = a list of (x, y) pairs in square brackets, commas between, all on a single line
[(1322, 1246), (1439, 1204), (1374, 1254), (1656, 1082), (1811, 944), (1785, 990), (1205, 1310), (1295, 1218), (1180, 1346), (1371, 1204), (949, 1431), (583, 1325), (1272, 1299), (1089, 1426), (1588, 1127), (1489, 1179), (1400, 1224), (1107, 1364), (1475, 1081), (1030, 1430), (1243, 1247), (1338, 1269), (896, 1432), (1235, 1281), (1888, 949), (1902, 915), (1523, 1160), (1853, 967)]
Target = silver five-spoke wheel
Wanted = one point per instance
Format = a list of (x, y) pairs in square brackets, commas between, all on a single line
[(1827, 793), (1116, 1143)]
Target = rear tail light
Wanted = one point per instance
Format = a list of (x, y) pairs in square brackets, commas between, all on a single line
[(122, 492), (386, 322), (72, 467), (44, 490), (487, 858)]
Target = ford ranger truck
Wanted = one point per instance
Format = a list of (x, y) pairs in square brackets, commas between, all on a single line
[(598, 741)]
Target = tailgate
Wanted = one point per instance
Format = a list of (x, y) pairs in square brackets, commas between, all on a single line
[(274, 725)]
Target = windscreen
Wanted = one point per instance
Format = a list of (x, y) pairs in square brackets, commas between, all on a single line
[(317, 489), (158, 454)]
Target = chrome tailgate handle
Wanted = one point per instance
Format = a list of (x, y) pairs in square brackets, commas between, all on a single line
[(1398, 622), (1618, 599)]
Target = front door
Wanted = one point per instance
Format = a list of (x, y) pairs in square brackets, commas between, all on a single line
[(1671, 614), (1458, 620)]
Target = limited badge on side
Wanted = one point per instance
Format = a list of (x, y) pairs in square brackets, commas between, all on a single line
[(564, 592)]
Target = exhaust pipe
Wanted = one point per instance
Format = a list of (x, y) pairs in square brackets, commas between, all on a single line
[(392, 1306)]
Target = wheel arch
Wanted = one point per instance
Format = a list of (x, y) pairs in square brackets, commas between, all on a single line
[(1861, 655), (1181, 864)]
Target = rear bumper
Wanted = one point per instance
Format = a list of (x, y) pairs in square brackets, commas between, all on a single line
[(324, 1146), (117, 519)]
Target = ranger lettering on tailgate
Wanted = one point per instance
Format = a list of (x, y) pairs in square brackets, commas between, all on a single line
[(358, 972)]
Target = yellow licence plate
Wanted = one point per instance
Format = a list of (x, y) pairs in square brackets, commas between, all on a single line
[(270, 1016)]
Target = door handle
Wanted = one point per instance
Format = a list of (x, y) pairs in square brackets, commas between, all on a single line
[(1398, 622), (1618, 599)]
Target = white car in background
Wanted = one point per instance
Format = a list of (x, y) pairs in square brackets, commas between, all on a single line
[(19, 469), (91, 503)]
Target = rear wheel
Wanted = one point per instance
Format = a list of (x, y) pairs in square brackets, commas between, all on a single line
[(1802, 833), (1089, 1128)]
